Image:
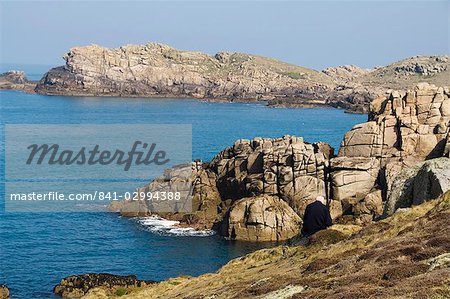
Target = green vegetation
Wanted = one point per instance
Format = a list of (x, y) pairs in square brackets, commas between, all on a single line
[(294, 75), (121, 291)]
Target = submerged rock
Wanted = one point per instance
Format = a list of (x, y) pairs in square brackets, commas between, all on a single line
[(79, 285), (4, 292)]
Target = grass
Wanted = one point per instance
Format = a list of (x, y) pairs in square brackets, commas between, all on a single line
[(387, 259), (294, 75), (121, 291)]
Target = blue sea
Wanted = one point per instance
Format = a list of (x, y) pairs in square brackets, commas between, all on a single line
[(38, 249)]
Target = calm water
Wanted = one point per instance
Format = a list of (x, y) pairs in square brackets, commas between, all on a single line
[(38, 249)]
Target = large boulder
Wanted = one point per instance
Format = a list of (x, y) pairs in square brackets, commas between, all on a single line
[(432, 180), (370, 208), (16, 77), (200, 204), (262, 218), (353, 178), (415, 185)]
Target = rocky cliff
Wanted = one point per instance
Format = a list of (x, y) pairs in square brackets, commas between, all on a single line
[(157, 70), (246, 188)]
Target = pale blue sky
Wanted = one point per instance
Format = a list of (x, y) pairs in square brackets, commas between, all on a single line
[(312, 34)]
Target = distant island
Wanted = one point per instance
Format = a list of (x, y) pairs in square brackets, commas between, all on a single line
[(157, 70)]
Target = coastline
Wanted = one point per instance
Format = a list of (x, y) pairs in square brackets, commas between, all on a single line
[(30, 87)]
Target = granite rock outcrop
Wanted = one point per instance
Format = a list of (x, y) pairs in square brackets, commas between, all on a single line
[(78, 285), (404, 128), (288, 172)]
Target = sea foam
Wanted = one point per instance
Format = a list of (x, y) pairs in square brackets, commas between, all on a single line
[(161, 226)]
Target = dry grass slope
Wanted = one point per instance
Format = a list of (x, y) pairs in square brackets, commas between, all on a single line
[(404, 256)]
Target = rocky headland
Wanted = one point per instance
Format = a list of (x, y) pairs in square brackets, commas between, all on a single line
[(157, 70), (257, 190)]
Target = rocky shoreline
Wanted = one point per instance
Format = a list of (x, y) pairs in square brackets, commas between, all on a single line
[(257, 190), (159, 71)]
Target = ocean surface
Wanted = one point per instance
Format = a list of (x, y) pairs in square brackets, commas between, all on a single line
[(38, 249)]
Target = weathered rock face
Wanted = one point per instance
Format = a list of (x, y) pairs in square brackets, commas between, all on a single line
[(415, 185), (78, 285), (4, 292), (409, 126), (286, 167), (352, 179), (404, 128), (159, 70), (345, 72), (262, 218)]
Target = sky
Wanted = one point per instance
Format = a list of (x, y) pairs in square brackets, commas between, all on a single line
[(314, 34)]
